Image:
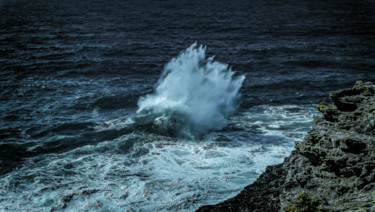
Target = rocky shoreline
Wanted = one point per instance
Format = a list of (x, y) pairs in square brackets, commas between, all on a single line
[(332, 169)]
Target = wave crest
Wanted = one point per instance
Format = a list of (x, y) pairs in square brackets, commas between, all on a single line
[(194, 95)]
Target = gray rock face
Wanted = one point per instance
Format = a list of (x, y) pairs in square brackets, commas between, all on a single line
[(332, 169)]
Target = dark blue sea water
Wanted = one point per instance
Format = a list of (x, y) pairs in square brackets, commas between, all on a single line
[(74, 135)]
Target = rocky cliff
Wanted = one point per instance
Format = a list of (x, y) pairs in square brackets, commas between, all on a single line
[(332, 169)]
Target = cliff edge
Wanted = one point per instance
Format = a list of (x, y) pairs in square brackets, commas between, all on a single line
[(332, 169)]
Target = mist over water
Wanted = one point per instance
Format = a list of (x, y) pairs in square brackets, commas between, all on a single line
[(193, 96)]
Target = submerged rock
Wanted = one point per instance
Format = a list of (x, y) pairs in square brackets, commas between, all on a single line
[(332, 169)]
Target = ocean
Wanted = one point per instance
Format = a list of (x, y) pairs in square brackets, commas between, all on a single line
[(164, 105)]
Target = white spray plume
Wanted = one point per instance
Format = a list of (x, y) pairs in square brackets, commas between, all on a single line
[(193, 96)]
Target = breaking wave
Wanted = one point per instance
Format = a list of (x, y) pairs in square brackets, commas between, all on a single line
[(194, 95)]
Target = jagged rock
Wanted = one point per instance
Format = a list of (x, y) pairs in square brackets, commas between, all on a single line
[(260, 196), (332, 169)]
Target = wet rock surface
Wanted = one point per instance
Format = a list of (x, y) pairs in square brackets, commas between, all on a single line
[(332, 169)]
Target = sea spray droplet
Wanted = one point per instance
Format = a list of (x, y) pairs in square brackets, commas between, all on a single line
[(193, 96)]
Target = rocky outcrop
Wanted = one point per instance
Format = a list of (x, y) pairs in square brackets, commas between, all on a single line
[(332, 169)]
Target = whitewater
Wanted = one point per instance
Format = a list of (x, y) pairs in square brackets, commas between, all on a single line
[(186, 145), (193, 96)]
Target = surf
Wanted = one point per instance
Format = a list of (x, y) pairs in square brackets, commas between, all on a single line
[(193, 96)]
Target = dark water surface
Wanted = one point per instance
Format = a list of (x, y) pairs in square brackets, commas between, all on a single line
[(72, 71)]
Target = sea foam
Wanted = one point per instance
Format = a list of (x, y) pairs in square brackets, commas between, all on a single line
[(194, 95)]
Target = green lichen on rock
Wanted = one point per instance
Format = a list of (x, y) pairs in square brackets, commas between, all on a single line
[(304, 203), (364, 89), (322, 107), (329, 112)]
